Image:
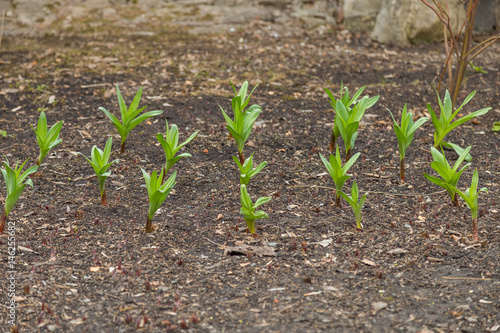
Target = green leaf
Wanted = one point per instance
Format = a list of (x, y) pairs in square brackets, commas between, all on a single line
[(496, 126)]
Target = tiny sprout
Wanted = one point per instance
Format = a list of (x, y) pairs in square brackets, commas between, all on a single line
[(170, 145), (470, 196), (243, 122), (157, 193), (443, 125), (248, 208), (47, 139), (130, 117), (337, 171), (355, 205), (404, 133), (449, 175), (99, 162), (15, 182)]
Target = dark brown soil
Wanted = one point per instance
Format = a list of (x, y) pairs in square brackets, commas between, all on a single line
[(85, 267)]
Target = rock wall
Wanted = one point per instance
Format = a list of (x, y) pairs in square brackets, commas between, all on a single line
[(410, 21)]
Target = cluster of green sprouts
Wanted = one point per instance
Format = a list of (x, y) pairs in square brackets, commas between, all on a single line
[(348, 114), (240, 129), (349, 111)]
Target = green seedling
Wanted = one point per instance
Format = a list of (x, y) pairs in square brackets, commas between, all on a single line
[(3, 133), (496, 126), (247, 172), (449, 175), (171, 147), (404, 133), (243, 122), (443, 125), (348, 102), (355, 205), (99, 162), (248, 208), (337, 171), (47, 139), (470, 197), (157, 193), (478, 69), (15, 182), (130, 117)]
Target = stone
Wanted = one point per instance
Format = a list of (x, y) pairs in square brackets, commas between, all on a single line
[(487, 16), (411, 22), (360, 15)]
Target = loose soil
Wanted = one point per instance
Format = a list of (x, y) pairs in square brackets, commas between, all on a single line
[(84, 267)]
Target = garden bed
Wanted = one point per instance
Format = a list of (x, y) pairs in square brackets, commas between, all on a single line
[(88, 267)]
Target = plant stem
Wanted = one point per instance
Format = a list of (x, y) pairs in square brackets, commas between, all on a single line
[(455, 200), (474, 229), (251, 226), (3, 219), (122, 147), (337, 201), (402, 169), (149, 225), (358, 219), (348, 155), (164, 175), (332, 142), (103, 198), (241, 157)]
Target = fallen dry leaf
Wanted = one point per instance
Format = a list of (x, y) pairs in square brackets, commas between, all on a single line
[(369, 262), (255, 250)]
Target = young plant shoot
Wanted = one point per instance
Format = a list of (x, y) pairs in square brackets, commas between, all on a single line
[(47, 139), (99, 162), (130, 118), (348, 103), (450, 176), (15, 182), (337, 171), (243, 122), (355, 205), (470, 197), (157, 193), (171, 147), (248, 208), (443, 125), (246, 169), (404, 133)]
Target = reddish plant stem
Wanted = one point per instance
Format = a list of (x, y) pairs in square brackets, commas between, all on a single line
[(332, 142), (241, 157), (122, 147), (455, 201), (164, 175), (474, 229), (337, 201), (348, 155), (149, 225), (402, 169), (103, 198), (3, 219)]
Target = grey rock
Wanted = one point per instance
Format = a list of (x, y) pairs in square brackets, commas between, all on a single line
[(360, 15), (411, 22)]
